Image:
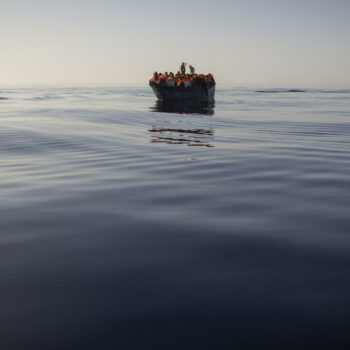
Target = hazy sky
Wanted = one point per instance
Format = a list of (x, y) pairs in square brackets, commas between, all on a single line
[(271, 42)]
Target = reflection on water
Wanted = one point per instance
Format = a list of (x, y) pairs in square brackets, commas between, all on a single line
[(184, 107), (187, 136), (190, 137)]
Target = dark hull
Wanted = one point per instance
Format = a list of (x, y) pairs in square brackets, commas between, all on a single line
[(194, 93)]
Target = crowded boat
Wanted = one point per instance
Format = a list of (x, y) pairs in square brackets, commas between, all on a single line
[(181, 79), (183, 86)]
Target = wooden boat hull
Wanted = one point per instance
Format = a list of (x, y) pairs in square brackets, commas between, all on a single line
[(195, 93)]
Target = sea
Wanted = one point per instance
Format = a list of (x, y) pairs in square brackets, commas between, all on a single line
[(127, 223)]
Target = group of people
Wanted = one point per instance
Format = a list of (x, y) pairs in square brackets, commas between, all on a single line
[(181, 79)]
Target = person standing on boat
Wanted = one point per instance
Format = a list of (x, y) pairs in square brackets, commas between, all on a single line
[(183, 68), (192, 70)]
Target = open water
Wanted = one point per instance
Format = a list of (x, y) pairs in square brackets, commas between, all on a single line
[(130, 224)]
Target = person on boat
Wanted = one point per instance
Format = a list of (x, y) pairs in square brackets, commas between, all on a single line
[(162, 79), (201, 80), (183, 68), (170, 82), (192, 70), (187, 83), (211, 79), (194, 80), (155, 77), (181, 82)]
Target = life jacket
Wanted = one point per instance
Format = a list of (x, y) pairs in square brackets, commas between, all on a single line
[(181, 82), (155, 77), (162, 80)]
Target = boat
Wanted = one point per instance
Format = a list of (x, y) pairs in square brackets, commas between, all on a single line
[(202, 92)]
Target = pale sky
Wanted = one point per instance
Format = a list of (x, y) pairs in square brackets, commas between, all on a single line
[(248, 42)]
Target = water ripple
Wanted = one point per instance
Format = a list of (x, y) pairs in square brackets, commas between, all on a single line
[(112, 225)]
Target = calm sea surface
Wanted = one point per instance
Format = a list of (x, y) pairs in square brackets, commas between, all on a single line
[(130, 224)]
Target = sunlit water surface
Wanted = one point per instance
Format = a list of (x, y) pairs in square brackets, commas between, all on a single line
[(131, 224)]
